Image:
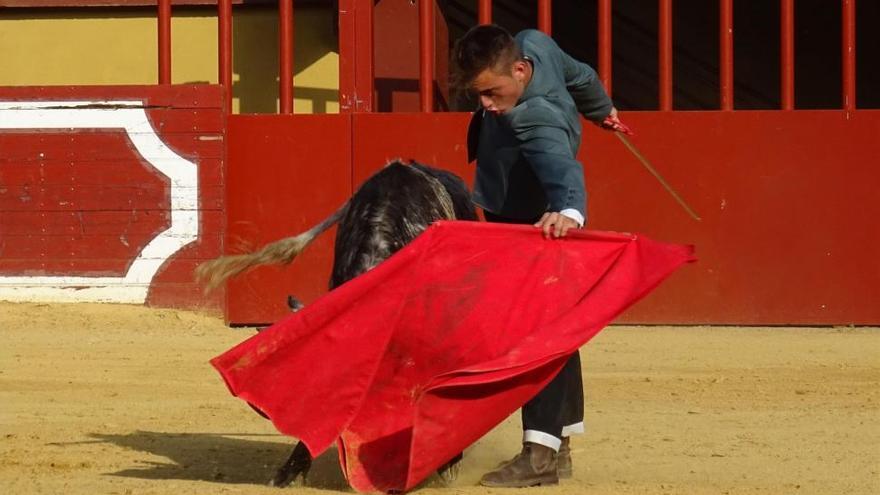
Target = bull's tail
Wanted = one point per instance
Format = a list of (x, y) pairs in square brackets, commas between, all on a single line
[(214, 272)]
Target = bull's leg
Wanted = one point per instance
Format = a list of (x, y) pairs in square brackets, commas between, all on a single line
[(300, 462), (448, 472)]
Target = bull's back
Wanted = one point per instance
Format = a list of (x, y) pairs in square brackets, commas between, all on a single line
[(388, 211), (457, 190)]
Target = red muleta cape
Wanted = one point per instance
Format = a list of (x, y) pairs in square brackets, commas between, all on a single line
[(411, 362)]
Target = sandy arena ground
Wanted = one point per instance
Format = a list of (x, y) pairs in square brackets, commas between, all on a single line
[(121, 400)]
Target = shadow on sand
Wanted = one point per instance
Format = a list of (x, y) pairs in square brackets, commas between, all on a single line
[(220, 458)]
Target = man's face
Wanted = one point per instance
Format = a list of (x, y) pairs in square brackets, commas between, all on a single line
[(499, 91)]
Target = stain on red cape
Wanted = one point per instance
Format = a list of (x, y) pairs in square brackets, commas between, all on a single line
[(413, 361)]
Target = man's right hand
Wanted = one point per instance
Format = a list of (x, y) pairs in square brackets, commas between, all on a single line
[(612, 123), (556, 224)]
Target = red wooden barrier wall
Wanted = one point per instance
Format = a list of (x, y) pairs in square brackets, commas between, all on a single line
[(117, 193), (789, 220), (110, 193), (289, 173)]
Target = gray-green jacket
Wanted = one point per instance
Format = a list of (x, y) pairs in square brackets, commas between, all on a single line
[(526, 157)]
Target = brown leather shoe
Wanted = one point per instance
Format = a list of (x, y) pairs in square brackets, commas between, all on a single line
[(563, 460), (535, 465)]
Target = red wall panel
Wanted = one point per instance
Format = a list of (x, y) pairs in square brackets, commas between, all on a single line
[(77, 216), (433, 139), (786, 199), (82, 201), (286, 174)]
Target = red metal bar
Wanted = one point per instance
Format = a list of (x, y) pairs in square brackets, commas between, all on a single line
[(726, 55), (485, 12), (224, 32), (164, 41), (426, 55), (664, 42), (786, 54), (355, 56), (285, 56), (604, 16), (347, 57), (545, 16), (849, 54), (364, 47)]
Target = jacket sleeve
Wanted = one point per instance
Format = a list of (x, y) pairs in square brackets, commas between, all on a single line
[(546, 149), (581, 81), (585, 88)]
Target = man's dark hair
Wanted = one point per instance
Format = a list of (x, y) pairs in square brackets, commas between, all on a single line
[(483, 47)]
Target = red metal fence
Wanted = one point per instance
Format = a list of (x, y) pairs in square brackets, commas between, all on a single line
[(355, 45)]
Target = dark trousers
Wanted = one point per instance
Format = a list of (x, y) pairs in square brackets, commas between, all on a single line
[(561, 402)]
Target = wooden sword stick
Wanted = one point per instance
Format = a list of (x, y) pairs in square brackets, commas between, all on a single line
[(656, 174)]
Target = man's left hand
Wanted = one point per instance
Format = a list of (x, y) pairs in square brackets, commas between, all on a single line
[(556, 224)]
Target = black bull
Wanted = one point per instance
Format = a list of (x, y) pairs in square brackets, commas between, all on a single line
[(385, 214)]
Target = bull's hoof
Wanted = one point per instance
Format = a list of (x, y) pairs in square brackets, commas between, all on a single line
[(288, 474), (448, 472), (299, 463)]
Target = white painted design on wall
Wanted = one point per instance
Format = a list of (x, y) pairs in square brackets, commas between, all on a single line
[(130, 116)]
